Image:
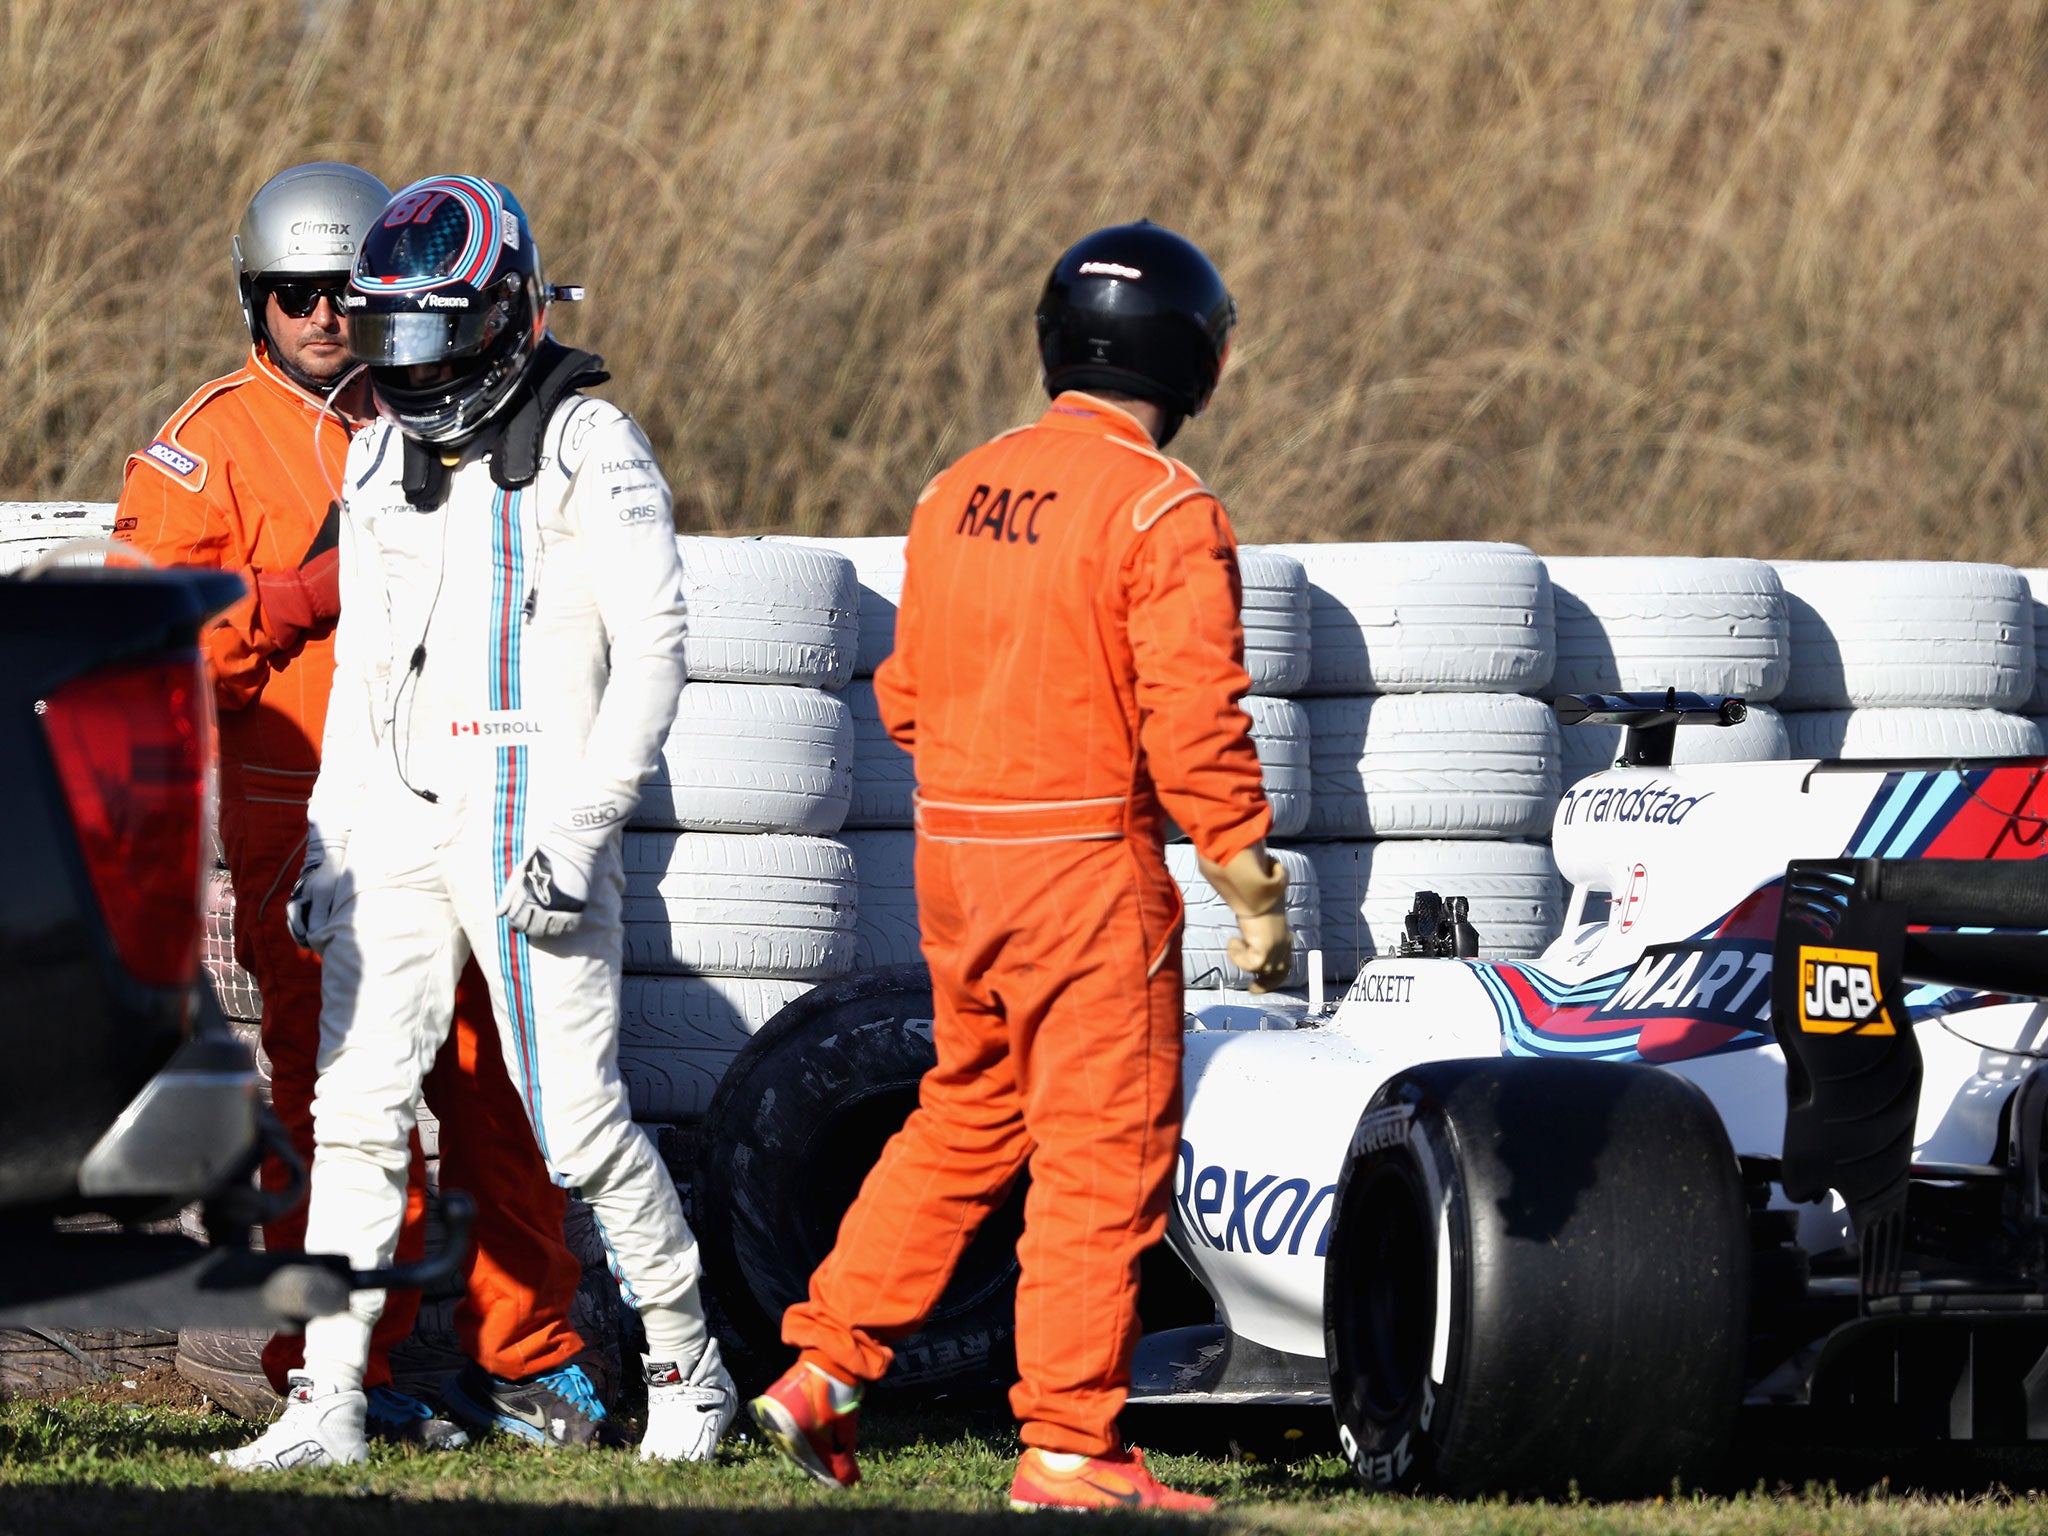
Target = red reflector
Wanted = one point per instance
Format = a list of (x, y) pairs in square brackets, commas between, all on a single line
[(134, 745)]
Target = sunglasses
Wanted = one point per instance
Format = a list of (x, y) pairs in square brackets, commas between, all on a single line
[(299, 297)]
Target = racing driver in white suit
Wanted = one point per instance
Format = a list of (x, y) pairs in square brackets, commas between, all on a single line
[(508, 662)]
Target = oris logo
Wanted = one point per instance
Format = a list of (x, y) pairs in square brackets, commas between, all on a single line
[(443, 301)]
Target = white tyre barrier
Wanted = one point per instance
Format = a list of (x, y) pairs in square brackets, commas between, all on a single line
[(885, 922), (1857, 733), (884, 777), (766, 611), (1367, 889), (1280, 732), (2037, 601), (878, 566), (1210, 924), (678, 1034), (720, 904), (31, 529), (1432, 765), (1420, 618), (752, 758), (1706, 626), (1275, 615), (1590, 749), (1907, 634)]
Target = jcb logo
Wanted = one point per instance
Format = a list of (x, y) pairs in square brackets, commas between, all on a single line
[(1839, 994)]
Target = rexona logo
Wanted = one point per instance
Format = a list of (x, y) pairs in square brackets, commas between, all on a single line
[(1236, 1211), (443, 301), (1645, 803), (1839, 993)]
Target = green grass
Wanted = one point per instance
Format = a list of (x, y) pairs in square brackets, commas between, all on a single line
[(112, 1468)]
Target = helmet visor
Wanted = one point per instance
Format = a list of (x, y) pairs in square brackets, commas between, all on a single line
[(411, 336)]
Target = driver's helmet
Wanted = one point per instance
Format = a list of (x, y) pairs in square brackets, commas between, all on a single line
[(447, 275)]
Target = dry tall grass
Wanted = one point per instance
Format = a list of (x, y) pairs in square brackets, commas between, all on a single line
[(1755, 276)]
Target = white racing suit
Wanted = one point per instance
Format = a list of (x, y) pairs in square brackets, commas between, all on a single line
[(506, 663)]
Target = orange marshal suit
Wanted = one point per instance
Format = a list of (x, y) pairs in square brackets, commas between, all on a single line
[(1067, 671), (241, 478)]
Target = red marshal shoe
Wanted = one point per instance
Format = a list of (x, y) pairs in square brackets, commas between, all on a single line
[(1116, 1481), (798, 1416)]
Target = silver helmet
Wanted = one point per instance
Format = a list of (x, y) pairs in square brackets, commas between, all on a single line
[(308, 220)]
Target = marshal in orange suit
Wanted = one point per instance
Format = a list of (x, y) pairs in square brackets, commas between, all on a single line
[(246, 477), (1068, 670)]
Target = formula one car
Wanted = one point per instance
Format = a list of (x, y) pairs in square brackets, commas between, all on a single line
[(1765, 1125)]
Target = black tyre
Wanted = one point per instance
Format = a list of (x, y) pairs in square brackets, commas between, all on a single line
[(1537, 1278), (798, 1120)]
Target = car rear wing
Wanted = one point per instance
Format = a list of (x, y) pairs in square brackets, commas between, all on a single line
[(1851, 934), (1652, 719)]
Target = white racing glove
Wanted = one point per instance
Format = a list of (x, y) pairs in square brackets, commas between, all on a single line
[(546, 895), (310, 906)]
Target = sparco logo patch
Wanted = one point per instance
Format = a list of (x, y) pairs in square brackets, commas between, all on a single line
[(171, 458), (1839, 993)]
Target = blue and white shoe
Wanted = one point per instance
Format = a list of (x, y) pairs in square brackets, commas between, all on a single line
[(558, 1407), (398, 1418)]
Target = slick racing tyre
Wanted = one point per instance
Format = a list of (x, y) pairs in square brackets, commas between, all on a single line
[(885, 915), (883, 775), (792, 1131), (1367, 889), (1705, 626), (1760, 738), (1210, 925), (1907, 633), (1432, 765), (1426, 618), (1275, 618), (765, 611), (1861, 733), (721, 904), (761, 758), (679, 1034), (878, 565), (1537, 1280)]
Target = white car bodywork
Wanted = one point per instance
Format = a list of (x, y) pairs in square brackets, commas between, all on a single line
[(1686, 864)]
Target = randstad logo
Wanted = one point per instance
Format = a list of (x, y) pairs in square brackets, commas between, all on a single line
[(1839, 993)]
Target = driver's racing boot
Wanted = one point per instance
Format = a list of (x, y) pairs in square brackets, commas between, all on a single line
[(1120, 1480), (686, 1415), (320, 1427), (811, 1416)]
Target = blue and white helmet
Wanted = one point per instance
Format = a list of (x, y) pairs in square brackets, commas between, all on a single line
[(446, 305)]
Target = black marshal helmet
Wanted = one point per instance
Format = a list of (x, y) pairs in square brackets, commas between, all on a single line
[(449, 275), (1137, 310)]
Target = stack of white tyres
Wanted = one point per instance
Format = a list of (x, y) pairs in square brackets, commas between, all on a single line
[(1430, 761), (1909, 658), (1275, 616), (1701, 625), (738, 900), (31, 529), (2036, 706)]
